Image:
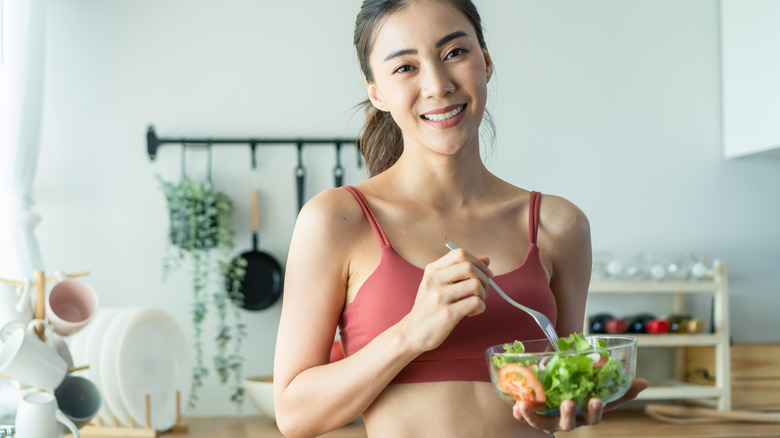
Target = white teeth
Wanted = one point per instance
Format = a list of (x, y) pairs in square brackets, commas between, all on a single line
[(445, 116)]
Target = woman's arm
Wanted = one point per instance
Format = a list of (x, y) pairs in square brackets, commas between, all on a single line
[(312, 396), (565, 237), (564, 233)]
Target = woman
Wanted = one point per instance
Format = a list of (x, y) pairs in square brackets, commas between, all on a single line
[(414, 317)]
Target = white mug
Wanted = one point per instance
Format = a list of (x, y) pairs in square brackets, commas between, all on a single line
[(51, 339), (32, 362), (38, 417), (71, 304), (15, 309)]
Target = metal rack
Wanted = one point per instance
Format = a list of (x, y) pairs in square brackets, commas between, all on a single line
[(153, 143)]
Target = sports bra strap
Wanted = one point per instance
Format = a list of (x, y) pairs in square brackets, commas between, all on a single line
[(533, 216), (378, 231)]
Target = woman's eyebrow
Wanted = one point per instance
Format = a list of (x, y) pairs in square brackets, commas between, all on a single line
[(450, 37), (441, 42)]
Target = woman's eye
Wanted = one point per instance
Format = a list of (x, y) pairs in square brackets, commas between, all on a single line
[(454, 53), (403, 69)]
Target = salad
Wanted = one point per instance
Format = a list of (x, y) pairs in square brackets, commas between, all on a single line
[(584, 368)]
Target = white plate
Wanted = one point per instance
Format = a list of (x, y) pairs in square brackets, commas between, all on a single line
[(109, 388), (77, 342), (76, 346), (154, 358), (91, 355)]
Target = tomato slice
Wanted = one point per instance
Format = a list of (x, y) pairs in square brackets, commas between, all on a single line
[(600, 363), (521, 383)]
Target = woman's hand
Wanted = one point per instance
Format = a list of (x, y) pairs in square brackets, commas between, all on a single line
[(569, 419), (453, 287)]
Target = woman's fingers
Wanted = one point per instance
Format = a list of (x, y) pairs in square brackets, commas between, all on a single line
[(460, 266), (595, 409), (568, 419), (453, 287)]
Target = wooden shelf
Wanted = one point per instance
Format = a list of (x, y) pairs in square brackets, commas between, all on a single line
[(672, 389), (643, 287), (681, 340), (720, 393)]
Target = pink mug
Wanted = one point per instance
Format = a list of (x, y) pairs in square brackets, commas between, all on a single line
[(71, 304)]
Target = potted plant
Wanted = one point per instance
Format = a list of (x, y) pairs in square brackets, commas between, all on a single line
[(199, 232)]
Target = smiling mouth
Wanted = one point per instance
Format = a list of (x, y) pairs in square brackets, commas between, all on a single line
[(444, 116)]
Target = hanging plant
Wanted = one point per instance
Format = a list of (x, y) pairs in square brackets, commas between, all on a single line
[(199, 225)]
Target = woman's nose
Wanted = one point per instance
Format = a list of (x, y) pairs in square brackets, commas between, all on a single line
[(437, 82)]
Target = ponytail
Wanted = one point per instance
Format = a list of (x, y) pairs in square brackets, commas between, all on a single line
[(381, 141)]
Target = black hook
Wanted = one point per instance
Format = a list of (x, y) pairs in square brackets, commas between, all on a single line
[(183, 160), (338, 171), (358, 154), (253, 146), (208, 161), (300, 175)]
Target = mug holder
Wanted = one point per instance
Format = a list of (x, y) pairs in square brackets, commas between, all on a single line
[(39, 287)]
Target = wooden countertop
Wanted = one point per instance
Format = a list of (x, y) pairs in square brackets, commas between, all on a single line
[(255, 427), (615, 424)]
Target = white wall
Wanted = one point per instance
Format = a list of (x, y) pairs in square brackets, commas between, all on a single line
[(612, 104)]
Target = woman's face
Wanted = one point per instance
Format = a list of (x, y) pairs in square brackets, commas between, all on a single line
[(431, 74)]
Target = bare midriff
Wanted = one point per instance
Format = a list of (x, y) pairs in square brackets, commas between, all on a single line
[(443, 409)]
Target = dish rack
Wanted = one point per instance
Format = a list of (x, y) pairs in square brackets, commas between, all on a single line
[(98, 428)]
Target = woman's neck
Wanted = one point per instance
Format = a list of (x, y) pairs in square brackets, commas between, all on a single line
[(441, 181)]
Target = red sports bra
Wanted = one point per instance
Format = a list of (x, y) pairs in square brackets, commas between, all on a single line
[(389, 293)]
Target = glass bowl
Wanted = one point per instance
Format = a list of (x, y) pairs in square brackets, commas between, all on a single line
[(604, 367)]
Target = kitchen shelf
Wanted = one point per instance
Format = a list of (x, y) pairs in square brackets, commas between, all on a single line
[(671, 287), (681, 340), (720, 394), (673, 389)]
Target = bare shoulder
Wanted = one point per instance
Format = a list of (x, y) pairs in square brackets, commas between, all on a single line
[(560, 219), (330, 215)]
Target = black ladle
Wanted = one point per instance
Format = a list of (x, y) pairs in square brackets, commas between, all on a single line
[(338, 171), (300, 175)]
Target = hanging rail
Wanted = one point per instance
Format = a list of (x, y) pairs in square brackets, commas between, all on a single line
[(153, 143)]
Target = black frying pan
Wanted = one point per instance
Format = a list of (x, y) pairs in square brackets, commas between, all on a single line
[(262, 283)]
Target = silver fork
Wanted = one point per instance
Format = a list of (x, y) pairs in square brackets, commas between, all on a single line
[(539, 317)]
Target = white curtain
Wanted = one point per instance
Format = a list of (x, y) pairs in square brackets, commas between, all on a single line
[(21, 98)]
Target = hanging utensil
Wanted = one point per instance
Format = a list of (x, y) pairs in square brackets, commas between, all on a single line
[(358, 154), (338, 171), (208, 161), (263, 279), (300, 175), (183, 160)]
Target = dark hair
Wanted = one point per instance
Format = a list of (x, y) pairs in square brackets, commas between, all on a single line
[(381, 141)]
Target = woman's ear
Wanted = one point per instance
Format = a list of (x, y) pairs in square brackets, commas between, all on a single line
[(488, 64), (375, 97)]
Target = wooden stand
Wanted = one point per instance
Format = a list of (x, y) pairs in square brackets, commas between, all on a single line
[(39, 286), (131, 431)]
